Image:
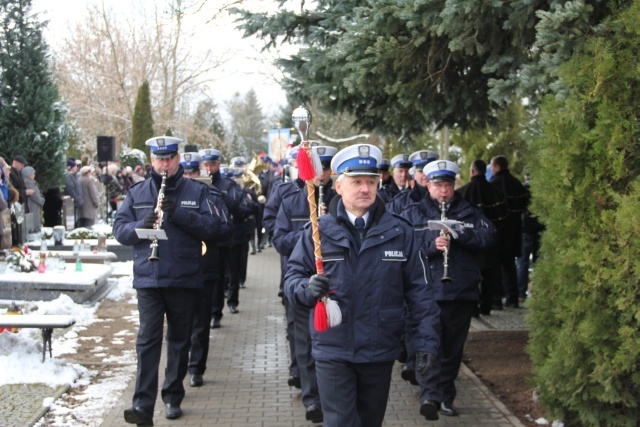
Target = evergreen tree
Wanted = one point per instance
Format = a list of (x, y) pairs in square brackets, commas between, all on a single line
[(403, 67), (142, 123), (31, 113), (247, 123), (585, 311), (208, 127)]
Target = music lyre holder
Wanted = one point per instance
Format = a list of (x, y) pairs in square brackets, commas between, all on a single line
[(151, 233)]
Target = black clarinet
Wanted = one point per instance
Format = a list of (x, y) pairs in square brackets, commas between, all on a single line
[(158, 210), (445, 252)]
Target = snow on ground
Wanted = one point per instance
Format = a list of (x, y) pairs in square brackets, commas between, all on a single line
[(21, 362)]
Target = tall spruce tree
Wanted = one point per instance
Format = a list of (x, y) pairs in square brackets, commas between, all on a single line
[(142, 123), (31, 113), (585, 311), (247, 123), (405, 67)]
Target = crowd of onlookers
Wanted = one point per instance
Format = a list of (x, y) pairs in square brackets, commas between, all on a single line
[(94, 190)]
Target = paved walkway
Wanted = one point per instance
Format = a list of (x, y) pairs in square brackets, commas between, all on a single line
[(246, 381)]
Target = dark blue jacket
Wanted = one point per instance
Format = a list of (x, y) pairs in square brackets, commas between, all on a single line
[(406, 198), (293, 215), (478, 235), (278, 190), (192, 222), (238, 204), (210, 261), (371, 287)]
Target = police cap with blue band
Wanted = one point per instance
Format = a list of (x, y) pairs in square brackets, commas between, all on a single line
[(325, 153), (421, 158), (190, 161), (401, 161), (384, 165), (237, 161), (163, 147), (359, 159), (210, 155), (441, 170)]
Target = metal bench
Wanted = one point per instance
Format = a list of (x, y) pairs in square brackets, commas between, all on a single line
[(45, 322)]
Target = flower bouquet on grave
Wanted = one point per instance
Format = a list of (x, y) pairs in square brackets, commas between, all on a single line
[(21, 260)]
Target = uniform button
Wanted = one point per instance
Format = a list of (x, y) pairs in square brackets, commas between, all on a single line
[(381, 237), (397, 229)]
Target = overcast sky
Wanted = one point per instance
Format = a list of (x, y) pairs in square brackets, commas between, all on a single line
[(247, 68)]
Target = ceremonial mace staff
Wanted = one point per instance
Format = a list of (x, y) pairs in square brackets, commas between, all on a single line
[(327, 312)]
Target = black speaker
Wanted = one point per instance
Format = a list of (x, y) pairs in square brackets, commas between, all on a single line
[(106, 149)]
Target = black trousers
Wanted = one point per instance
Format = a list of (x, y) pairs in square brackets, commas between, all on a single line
[(353, 394), (234, 262), (490, 287), (306, 363), (200, 333), (438, 384), (509, 278), (177, 304), (244, 261)]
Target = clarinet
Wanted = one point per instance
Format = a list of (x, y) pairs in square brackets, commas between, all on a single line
[(445, 252), (321, 199), (158, 210)]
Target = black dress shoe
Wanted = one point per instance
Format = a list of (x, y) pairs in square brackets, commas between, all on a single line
[(242, 285), (409, 374), (196, 380), (294, 381), (429, 410), (234, 309), (215, 323), (448, 410), (314, 413), (172, 412), (139, 416)]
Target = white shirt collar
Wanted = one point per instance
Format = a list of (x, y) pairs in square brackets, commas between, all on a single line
[(352, 217)]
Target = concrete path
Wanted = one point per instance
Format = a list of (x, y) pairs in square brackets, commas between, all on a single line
[(246, 381)]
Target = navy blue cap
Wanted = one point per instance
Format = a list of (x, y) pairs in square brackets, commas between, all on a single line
[(325, 153), (359, 159), (441, 170), (190, 161), (163, 147), (238, 161), (420, 158), (401, 161), (210, 155), (384, 165)]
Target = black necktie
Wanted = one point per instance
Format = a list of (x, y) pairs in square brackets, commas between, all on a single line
[(359, 223)]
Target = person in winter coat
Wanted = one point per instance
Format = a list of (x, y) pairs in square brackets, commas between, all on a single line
[(168, 285), (456, 288), (89, 210), (34, 199), (373, 269)]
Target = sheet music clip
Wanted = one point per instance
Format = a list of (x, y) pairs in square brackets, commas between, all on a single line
[(151, 233), (448, 224)]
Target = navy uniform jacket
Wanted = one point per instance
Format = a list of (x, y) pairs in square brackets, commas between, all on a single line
[(238, 204), (192, 222), (371, 286), (389, 192), (406, 198), (478, 235), (275, 199), (293, 215), (211, 259)]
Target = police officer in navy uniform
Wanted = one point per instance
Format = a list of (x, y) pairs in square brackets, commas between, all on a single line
[(372, 266), (239, 208), (419, 160), (211, 274), (271, 208), (384, 174), (167, 287), (457, 299), (400, 178), (292, 216)]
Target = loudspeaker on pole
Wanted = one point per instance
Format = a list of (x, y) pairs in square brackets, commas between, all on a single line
[(106, 149)]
